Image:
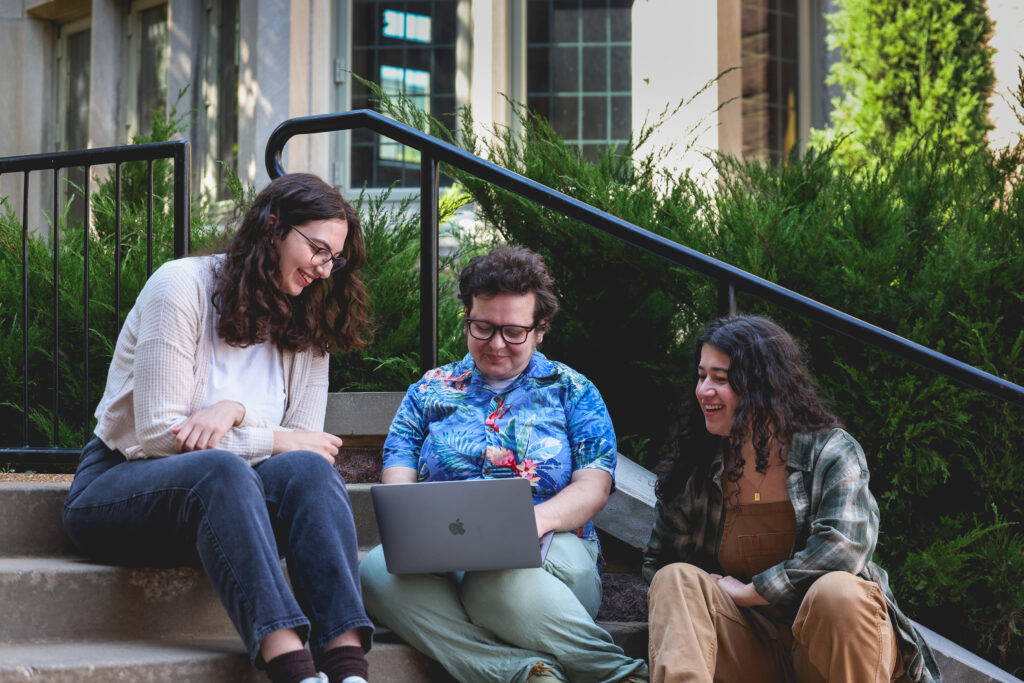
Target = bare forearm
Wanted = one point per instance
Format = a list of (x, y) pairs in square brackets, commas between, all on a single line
[(576, 504), (398, 475)]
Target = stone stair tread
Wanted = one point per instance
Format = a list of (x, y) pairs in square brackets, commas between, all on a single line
[(147, 660), (210, 660)]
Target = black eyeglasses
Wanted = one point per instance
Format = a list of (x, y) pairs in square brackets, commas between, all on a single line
[(321, 256), (512, 334)]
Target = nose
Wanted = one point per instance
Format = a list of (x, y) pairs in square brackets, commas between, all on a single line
[(324, 270), (496, 341), (704, 387)]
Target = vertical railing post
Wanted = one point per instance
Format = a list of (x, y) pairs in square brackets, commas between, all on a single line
[(117, 249), (86, 240), (56, 304), (429, 219), (24, 305), (182, 200), (726, 298), (149, 219)]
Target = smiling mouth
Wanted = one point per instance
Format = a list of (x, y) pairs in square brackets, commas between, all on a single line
[(711, 408), (306, 280)]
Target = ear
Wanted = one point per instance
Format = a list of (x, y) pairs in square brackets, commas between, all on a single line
[(542, 327)]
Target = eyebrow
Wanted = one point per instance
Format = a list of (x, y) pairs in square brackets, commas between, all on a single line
[(715, 369), (323, 244)]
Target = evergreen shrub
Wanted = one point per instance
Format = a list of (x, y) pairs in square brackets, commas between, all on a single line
[(926, 244), (908, 68), (78, 391)]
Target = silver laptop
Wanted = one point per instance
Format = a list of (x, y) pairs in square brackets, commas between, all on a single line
[(446, 526)]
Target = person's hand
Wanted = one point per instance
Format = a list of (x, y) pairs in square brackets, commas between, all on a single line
[(743, 594), (323, 443), (544, 524), (204, 428)]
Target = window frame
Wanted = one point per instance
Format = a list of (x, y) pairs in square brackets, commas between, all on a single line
[(131, 66), (341, 171)]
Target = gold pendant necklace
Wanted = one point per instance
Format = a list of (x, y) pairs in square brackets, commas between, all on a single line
[(757, 489)]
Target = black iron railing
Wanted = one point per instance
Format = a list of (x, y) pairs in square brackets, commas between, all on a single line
[(27, 454), (730, 279)]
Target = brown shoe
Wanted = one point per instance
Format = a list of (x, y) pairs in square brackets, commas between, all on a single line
[(542, 673)]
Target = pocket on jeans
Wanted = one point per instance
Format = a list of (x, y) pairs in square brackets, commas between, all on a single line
[(761, 551)]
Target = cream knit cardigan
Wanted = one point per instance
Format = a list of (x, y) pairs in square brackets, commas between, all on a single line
[(161, 366)]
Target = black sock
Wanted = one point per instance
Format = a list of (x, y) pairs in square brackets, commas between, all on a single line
[(340, 662), (291, 667)]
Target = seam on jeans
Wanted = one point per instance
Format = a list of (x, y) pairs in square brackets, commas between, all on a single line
[(231, 570), (123, 499), (879, 621)]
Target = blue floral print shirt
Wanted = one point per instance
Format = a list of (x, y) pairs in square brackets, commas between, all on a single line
[(550, 422)]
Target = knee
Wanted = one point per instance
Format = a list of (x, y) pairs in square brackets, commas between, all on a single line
[(373, 574), (224, 471), (675, 578), (839, 599), (501, 591), (572, 563), (303, 467)]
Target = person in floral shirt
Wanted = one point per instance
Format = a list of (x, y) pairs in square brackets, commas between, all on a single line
[(507, 411)]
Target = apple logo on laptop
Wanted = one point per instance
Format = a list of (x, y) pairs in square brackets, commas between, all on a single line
[(456, 528)]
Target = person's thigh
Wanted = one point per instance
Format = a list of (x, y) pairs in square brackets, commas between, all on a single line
[(543, 610), (573, 561), (146, 512), (842, 631), (697, 632)]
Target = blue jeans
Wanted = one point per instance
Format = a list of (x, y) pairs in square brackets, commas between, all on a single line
[(496, 625), (212, 509)]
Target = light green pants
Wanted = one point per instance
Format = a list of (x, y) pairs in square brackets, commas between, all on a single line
[(495, 626)]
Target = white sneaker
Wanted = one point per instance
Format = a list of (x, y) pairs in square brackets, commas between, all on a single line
[(355, 679)]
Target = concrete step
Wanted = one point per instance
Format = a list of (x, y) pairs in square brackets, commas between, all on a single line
[(62, 598), (32, 526), (199, 660), (31, 514)]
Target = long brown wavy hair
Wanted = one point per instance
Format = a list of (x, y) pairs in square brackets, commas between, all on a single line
[(328, 314), (777, 399)]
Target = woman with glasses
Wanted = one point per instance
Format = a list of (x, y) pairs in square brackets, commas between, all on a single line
[(507, 411), (209, 446)]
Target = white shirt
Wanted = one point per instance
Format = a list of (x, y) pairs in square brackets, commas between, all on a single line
[(252, 375)]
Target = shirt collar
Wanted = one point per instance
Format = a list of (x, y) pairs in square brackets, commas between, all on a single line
[(540, 367)]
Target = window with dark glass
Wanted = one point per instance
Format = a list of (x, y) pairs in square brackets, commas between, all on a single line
[(406, 48), (76, 109), (769, 34), (220, 94), (153, 65), (578, 69)]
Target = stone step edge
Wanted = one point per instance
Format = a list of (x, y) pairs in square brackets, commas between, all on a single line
[(208, 659)]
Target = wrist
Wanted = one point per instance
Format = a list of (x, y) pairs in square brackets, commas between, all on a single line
[(239, 412)]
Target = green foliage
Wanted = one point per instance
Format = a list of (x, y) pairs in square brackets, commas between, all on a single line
[(928, 246), (61, 367), (908, 68), (621, 308), (971, 571), (925, 244), (391, 275)]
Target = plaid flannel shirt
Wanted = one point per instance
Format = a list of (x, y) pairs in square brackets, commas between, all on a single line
[(836, 530)]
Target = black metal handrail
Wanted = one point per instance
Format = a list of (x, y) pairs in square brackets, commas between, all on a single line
[(730, 279), (179, 153)]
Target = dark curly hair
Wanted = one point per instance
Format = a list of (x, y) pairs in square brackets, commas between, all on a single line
[(331, 313), (511, 270), (777, 399)]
